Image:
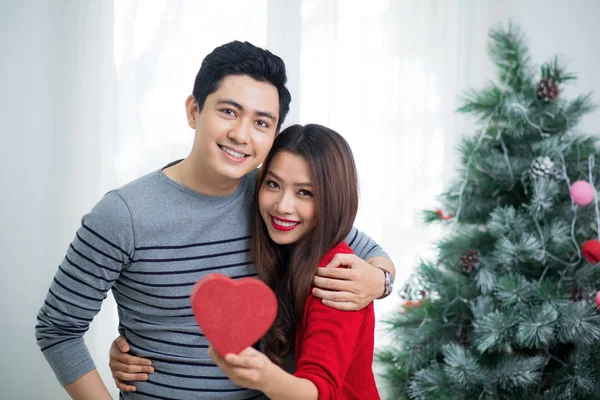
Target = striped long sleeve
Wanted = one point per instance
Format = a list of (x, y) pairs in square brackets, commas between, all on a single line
[(101, 249), (363, 246)]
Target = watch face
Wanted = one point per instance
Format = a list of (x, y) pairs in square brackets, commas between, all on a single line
[(388, 283)]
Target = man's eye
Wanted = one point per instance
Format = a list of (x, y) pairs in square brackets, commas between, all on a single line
[(228, 111), (262, 124)]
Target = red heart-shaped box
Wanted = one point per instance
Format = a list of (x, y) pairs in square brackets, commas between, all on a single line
[(233, 314)]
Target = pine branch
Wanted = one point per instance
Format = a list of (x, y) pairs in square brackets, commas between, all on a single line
[(578, 323), (579, 378), (506, 221), (536, 328), (513, 291), (549, 291), (397, 378), (556, 69), (510, 254), (579, 107), (431, 383), (545, 193), (485, 279), (462, 367), (517, 373), (509, 52), (482, 103), (557, 233), (561, 116), (492, 331)]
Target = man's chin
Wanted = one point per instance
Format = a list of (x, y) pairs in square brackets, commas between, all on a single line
[(237, 173)]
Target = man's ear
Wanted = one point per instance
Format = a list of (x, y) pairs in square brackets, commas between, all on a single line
[(191, 109)]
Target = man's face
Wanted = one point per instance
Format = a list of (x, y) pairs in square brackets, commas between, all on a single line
[(236, 127)]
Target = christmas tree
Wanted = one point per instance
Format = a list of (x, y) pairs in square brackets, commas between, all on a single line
[(507, 310)]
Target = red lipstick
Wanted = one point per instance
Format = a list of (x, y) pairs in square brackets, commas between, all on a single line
[(281, 227)]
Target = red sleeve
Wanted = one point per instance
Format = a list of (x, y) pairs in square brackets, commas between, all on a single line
[(327, 346)]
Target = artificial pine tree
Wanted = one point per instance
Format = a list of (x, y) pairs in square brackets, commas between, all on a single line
[(510, 310)]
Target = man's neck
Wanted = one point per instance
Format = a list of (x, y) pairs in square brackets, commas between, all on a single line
[(199, 179)]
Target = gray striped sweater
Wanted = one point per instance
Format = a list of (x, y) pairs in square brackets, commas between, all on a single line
[(149, 242)]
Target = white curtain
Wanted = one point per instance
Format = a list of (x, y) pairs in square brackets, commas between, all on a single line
[(385, 74), (94, 97)]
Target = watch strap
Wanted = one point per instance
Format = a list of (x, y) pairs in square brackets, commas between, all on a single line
[(388, 283)]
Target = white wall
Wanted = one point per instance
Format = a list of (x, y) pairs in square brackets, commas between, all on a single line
[(565, 27), (57, 143), (51, 170), (30, 194), (27, 202)]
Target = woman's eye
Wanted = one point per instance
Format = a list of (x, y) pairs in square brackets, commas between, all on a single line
[(306, 193), (272, 184)]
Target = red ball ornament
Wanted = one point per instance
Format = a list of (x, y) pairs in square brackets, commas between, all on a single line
[(597, 298), (582, 193), (591, 251)]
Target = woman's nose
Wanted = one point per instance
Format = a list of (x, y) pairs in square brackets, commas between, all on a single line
[(285, 205)]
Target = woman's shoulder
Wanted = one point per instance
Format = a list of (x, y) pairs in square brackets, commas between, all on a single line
[(341, 247)]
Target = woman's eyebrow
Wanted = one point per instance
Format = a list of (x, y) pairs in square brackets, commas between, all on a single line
[(274, 175)]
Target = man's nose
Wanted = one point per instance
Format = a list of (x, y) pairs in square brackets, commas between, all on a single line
[(240, 133)]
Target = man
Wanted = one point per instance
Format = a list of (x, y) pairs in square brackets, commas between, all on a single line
[(152, 239)]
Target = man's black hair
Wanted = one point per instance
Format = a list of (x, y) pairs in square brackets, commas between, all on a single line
[(242, 58)]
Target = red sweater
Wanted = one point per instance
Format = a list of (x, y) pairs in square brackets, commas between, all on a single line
[(334, 349)]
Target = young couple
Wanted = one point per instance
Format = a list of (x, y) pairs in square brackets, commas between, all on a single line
[(152, 239)]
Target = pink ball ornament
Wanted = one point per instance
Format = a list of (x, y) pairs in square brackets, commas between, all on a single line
[(582, 193), (597, 299)]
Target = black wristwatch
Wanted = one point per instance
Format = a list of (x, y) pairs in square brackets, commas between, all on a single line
[(389, 283)]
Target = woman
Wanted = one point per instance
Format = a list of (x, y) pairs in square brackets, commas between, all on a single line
[(307, 199), (302, 219)]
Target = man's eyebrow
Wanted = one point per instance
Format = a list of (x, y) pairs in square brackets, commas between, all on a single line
[(303, 184), (231, 103), (264, 114)]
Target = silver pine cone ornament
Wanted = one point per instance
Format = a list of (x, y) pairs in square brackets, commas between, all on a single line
[(544, 167), (414, 289)]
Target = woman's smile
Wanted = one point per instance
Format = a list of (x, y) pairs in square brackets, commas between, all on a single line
[(283, 224)]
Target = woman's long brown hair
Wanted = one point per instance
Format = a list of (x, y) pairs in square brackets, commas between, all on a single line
[(289, 270)]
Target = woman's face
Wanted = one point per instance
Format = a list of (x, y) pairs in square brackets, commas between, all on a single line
[(285, 199)]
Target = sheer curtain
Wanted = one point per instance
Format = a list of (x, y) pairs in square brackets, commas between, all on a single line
[(385, 74), (95, 98), (116, 75)]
